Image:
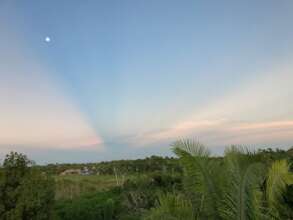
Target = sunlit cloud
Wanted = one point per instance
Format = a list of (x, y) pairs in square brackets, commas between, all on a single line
[(223, 132), (257, 113)]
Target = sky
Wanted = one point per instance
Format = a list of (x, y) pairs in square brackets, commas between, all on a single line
[(93, 80)]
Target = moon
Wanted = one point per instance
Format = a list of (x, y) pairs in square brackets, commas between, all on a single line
[(47, 39)]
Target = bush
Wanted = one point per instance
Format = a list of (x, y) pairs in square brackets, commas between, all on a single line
[(25, 192), (98, 206)]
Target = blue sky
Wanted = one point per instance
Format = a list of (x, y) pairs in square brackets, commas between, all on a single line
[(123, 79)]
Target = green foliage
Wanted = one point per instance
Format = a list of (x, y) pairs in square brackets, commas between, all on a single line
[(244, 177), (97, 206), (140, 194), (170, 207), (129, 202), (240, 186), (71, 186), (278, 179), (125, 167), (25, 192), (200, 181)]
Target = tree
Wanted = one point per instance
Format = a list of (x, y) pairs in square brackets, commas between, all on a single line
[(25, 192), (238, 187)]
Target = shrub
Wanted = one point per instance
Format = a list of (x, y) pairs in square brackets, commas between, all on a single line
[(25, 192)]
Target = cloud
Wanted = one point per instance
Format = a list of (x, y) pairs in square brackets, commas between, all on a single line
[(259, 112), (222, 133)]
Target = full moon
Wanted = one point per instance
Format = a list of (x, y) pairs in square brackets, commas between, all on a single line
[(47, 39)]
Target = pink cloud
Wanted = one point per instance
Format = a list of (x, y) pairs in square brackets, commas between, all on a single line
[(259, 112)]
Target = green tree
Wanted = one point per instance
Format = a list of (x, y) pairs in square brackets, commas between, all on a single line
[(238, 187), (25, 192)]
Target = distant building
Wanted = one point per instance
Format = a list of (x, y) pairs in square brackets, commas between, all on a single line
[(71, 172), (85, 171)]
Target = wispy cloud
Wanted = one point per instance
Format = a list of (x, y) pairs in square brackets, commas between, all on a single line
[(223, 132), (259, 112)]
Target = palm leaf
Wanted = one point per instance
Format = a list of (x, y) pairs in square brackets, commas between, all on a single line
[(242, 193), (279, 177), (171, 207), (200, 183)]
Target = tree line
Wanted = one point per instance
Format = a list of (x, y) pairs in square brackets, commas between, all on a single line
[(242, 185)]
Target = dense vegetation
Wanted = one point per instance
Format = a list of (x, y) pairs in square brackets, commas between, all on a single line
[(194, 185), (25, 192), (149, 164), (242, 185)]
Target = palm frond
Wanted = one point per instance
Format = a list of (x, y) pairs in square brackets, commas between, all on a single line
[(171, 207), (279, 177), (200, 183), (242, 192)]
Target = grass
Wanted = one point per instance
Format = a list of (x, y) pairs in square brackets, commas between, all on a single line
[(70, 186)]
